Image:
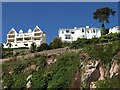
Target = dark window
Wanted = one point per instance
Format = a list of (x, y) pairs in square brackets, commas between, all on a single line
[(62, 31), (67, 31), (26, 44), (93, 30), (72, 32), (88, 31), (67, 36), (15, 44), (82, 30)]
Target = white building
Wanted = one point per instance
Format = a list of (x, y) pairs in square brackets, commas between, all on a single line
[(115, 29), (83, 32), (22, 39)]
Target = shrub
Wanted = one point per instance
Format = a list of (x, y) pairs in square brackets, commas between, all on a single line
[(43, 46), (33, 47), (109, 83), (56, 43)]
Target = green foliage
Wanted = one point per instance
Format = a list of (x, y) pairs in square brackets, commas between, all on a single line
[(110, 37), (66, 44), (43, 46), (104, 53), (103, 31), (33, 47), (56, 43), (80, 43), (109, 83), (64, 70), (18, 79), (103, 14)]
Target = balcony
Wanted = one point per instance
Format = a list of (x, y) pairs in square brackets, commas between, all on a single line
[(37, 38), (11, 34), (9, 41), (11, 38)]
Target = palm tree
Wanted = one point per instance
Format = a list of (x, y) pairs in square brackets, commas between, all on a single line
[(102, 15)]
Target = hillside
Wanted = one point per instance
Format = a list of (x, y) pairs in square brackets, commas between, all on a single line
[(93, 66)]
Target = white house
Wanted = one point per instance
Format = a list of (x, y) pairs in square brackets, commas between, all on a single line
[(115, 29), (22, 39), (83, 32)]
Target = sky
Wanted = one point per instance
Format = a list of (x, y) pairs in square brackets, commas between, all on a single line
[(50, 16)]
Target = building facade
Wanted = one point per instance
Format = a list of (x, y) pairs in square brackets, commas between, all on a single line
[(70, 35), (115, 29), (21, 39)]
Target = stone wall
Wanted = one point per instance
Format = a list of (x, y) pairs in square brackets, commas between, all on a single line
[(37, 54)]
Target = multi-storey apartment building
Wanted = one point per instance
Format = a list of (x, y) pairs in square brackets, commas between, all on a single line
[(22, 39), (115, 29), (69, 35)]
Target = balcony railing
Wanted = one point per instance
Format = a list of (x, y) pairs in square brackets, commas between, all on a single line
[(10, 38)]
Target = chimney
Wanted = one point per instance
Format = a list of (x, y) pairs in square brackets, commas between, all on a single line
[(87, 27)]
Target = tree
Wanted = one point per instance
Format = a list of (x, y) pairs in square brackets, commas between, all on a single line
[(56, 43), (33, 47), (43, 46), (102, 15)]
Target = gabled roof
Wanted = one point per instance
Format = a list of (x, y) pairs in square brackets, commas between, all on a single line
[(21, 31), (29, 30), (37, 29), (12, 31)]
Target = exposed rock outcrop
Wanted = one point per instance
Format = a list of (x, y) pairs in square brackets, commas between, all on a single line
[(115, 65), (29, 77), (28, 85)]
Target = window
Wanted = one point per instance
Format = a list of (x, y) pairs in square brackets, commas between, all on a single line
[(72, 32), (67, 36), (93, 30), (15, 44), (88, 31), (83, 30), (67, 31), (62, 31), (26, 44)]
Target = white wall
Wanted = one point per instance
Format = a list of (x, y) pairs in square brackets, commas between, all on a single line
[(114, 29), (78, 33)]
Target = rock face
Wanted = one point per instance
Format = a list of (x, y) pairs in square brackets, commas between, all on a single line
[(28, 85), (102, 73), (115, 66), (31, 67), (51, 59), (29, 77), (115, 69)]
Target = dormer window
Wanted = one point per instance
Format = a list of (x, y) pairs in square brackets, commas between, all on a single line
[(21, 31)]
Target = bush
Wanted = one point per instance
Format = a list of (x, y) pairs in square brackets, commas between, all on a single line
[(56, 43), (104, 53), (33, 47), (109, 83), (43, 46)]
